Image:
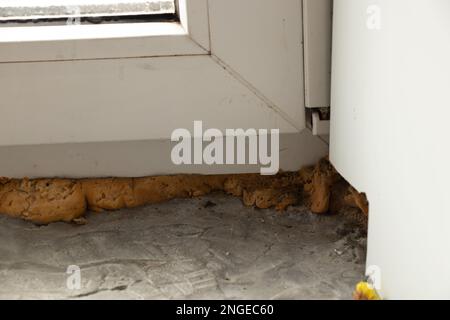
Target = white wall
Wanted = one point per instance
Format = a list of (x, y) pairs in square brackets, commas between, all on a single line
[(390, 135)]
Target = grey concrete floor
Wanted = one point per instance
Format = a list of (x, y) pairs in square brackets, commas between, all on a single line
[(209, 248)]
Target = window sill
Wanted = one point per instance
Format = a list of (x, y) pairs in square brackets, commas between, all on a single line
[(53, 43)]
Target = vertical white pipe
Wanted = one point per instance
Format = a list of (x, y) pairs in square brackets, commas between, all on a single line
[(390, 135)]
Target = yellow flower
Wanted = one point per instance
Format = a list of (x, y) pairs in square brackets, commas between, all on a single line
[(365, 291)]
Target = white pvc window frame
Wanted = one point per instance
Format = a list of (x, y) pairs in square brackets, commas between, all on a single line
[(125, 40), (229, 63)]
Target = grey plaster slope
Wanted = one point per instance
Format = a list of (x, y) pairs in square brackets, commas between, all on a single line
[(209, 248)]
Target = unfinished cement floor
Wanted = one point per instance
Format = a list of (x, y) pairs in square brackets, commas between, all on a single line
[(208, 248)]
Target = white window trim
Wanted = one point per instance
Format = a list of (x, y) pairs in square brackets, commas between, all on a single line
[(75, 42), (243, 74)]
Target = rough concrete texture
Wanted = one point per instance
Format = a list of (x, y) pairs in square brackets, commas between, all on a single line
[(211, 247)]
